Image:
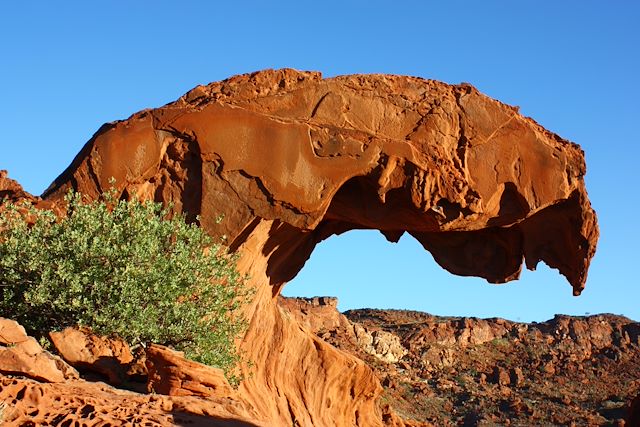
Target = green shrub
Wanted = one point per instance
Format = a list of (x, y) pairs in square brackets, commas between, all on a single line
[(122, 268)]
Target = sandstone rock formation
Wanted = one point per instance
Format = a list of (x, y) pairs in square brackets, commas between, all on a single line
[(37, 388), (83, 349), (481, 187), (22, 355), (320, 315), (172, 374), (315, 314), (289, 159)]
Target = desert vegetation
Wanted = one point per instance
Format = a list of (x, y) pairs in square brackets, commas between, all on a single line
[(121, 267)]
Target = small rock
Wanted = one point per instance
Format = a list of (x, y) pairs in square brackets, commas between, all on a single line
[(549, 368), (505, 391), (517, 377), (483, 379), (501, 376), (388, 382), (517, 405)]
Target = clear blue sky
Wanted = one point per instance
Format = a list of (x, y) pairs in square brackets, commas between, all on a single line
[(68, 67)]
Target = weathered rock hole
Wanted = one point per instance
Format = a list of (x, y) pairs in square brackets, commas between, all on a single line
[(364, 270)]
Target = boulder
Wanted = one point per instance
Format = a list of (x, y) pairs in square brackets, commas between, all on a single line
[(21, 354), (383, 345), (501, 376), (172, 374), (517, 376), (81, 348)]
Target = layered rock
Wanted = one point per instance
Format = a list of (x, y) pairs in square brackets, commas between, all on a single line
[(289, 159), (172, 374)]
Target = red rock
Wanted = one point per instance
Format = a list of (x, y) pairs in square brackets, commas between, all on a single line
[(11, 191), (290, 159), (172, 374), (22, 355), (501, 376), (549, 368), (517, 376), (483, 379), (480, 186), (83, 349), (391, 419)]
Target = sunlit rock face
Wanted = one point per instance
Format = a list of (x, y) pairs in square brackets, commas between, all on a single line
[(289, 158)]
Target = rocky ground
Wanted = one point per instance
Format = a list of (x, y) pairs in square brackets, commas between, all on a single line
[(482, 372), (105, 386), (435, 371)]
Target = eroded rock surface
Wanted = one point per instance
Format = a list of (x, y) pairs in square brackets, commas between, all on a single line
[(37, 388), (290, 158), (28, 402)]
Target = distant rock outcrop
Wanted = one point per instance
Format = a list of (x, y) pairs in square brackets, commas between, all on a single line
[(469, 371), (11, 191), (289, 159)]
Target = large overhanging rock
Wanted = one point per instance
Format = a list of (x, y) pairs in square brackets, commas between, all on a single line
[(289, 159), (480, 186)]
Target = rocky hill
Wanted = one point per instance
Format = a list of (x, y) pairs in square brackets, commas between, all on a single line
[(483, 372)]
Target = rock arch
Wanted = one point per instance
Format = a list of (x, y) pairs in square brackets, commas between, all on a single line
[(289, 159)]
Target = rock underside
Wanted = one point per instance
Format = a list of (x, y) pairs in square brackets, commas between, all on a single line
[(289, 159)]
